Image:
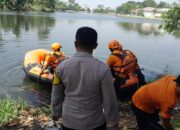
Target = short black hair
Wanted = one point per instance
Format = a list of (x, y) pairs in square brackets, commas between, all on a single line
[(178, 79), (86, 37)]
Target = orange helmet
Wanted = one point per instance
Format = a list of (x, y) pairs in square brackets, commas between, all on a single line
[(55, 46), (114, 44)]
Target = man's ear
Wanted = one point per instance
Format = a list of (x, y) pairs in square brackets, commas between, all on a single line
[(76, 44), (95, 45)]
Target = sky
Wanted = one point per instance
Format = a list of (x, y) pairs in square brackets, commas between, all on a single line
[(109, 3)]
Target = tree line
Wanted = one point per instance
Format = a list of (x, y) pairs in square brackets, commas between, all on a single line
[(40, 5), (172, 17), (52, 5), (127, 7)]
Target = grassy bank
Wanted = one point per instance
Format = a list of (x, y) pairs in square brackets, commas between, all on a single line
[(17, 114), (9, 110), (176, 123)]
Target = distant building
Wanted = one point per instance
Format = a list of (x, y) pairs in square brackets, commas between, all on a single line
[(150, 12)]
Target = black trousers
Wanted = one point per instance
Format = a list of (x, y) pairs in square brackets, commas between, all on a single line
[(140, 77), (102, 127), (147, 121), (124, 93)]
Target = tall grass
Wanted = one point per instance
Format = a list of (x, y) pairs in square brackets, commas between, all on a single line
[(176, 124), (9, 109)]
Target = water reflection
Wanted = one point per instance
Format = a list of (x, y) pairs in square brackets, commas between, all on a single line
[(1, 37), (143, 28), (19, 23), (35, 92), (23, 32)]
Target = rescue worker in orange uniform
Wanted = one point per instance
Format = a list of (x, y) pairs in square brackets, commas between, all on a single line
[(159, 96), (125, 70), (55, 58)]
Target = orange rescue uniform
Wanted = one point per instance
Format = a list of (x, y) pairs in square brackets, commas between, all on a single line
[(115, 62), (159, 95), (55, 58), (129, 63), (124, 66)]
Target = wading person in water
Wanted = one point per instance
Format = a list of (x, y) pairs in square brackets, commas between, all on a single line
[(83, 93)]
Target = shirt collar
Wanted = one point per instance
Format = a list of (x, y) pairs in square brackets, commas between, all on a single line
[(82, 54)]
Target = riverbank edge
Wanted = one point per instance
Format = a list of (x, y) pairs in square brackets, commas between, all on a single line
[(16, 114), (139, 17), (46, 10), (38, 117)]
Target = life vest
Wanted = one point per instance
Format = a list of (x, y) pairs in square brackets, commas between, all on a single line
[(56, 58), (129, 64)]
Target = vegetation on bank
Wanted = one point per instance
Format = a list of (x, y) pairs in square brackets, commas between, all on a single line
[(17, 114), (172, 20), (55, 5), (40, 5), (176, 124), (9, 109), (171, 23), (129, 6)]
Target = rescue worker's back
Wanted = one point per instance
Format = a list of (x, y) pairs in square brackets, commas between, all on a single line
[(159, 95)]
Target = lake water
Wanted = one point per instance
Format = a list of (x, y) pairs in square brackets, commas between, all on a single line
[(157, 50)]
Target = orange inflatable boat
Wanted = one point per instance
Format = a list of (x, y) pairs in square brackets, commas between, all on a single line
[(33, 62)]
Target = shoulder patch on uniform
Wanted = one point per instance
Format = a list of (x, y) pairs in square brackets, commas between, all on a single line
[(56, 79)]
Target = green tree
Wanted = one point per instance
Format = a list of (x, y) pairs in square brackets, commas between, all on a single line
[(51, 4), (39, 5), (71, 1), (87, 9), (149, 3), (72, 5), (100, 6), (139, 5), (76, 7), (109, 10), (103, 9), (28, 4), (174, 4), (163, 5), (45, 5), (172, 20), (61, 6), (126, 8), (3, 4), (17, 4)]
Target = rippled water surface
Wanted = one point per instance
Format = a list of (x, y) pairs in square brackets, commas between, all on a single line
[(157, 51)]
